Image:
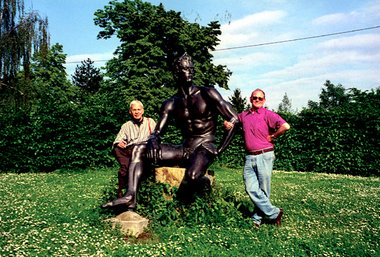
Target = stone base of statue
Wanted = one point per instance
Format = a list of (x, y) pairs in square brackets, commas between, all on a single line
[(174, 176), (130, 223), (187, 190)]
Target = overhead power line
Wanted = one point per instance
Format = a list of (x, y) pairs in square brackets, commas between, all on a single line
[(298, 39), (276, 42), (91, 60)]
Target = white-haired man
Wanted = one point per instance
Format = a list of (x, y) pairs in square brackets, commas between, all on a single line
[(133, 132)]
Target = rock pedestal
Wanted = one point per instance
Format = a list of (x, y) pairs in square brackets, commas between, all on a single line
[(169, 175), (130, 223), (174, 176)]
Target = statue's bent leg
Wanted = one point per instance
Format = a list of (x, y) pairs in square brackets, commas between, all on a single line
[(135, 173), (171, 154), (200, 160), (195, 182)]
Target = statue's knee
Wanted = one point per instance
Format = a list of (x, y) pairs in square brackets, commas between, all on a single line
[(138, 152), (193, 174)]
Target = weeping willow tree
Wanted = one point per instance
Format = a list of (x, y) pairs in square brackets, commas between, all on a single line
[(21, 34)]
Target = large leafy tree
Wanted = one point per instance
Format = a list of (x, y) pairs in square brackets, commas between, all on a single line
[(21, 34), (46, 131), (151, 38), (54, 114), (49, 76)]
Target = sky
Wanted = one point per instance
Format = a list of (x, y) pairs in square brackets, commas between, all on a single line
[(262, 43)]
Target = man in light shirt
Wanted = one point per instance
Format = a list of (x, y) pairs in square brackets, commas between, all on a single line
[(133, 132)]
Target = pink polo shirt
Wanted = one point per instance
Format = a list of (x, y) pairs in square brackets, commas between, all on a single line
[(257, 126)]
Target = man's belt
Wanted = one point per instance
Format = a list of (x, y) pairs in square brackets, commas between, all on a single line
[(261, 151)]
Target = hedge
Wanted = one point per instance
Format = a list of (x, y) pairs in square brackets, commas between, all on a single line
[(63, 135)]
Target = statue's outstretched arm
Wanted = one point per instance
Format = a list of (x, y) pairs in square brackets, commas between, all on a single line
[(225, 109)]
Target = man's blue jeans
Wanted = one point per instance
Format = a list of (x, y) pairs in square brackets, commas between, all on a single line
[(257, 179)]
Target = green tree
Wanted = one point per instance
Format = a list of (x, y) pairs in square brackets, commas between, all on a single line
[(312, 105), (331, 96), (87, 77), (151, 38), (54, 115), (286, 105), (238, 103), (21, 34), (49, 76), (45, 132)]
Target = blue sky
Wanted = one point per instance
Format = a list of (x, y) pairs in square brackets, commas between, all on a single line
[(298, 68)]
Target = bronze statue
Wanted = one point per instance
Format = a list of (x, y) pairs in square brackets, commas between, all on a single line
[(195, 110)]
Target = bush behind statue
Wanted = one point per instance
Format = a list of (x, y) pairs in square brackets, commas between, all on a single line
[(162, 205), (62, 135), (336, 141)]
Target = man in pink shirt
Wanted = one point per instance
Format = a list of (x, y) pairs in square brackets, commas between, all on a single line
[(260, 127)]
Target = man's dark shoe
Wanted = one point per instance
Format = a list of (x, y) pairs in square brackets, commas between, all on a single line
[(278, 219), (128, 200), (256, 225)]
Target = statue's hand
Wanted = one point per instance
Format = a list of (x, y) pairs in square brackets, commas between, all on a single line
[(228, 125), (153, 149)]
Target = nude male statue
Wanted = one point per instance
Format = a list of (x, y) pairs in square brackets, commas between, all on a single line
[(195, 110)]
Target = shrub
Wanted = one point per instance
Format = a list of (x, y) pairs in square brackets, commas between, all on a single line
[(165, 205)]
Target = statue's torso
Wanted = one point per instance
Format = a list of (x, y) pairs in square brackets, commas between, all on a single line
[(195, 113)]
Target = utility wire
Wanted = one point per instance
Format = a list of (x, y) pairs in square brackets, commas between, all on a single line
[(298, 39), (279, 42), (91, 60)]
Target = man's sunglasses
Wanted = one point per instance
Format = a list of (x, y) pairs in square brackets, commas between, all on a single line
[(256, 97)]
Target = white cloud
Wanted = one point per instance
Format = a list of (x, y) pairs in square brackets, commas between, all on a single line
[(255, 20), (299, 91), (237, 39), (372, 11), (247, 29), (94, 57), (361, 41), (244, 62), (99, 60), (331, 19), (367, 14), (316, 64)]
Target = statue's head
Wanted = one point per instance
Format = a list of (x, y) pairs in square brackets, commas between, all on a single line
[(184, 68)]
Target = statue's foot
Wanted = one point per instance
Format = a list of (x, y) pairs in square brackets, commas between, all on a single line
[(128, 200)]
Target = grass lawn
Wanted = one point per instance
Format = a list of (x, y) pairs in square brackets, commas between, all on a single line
[(58, 214)]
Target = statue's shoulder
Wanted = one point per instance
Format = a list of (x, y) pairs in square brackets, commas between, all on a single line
[(210, 92), (169, 104), (203, 89)]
